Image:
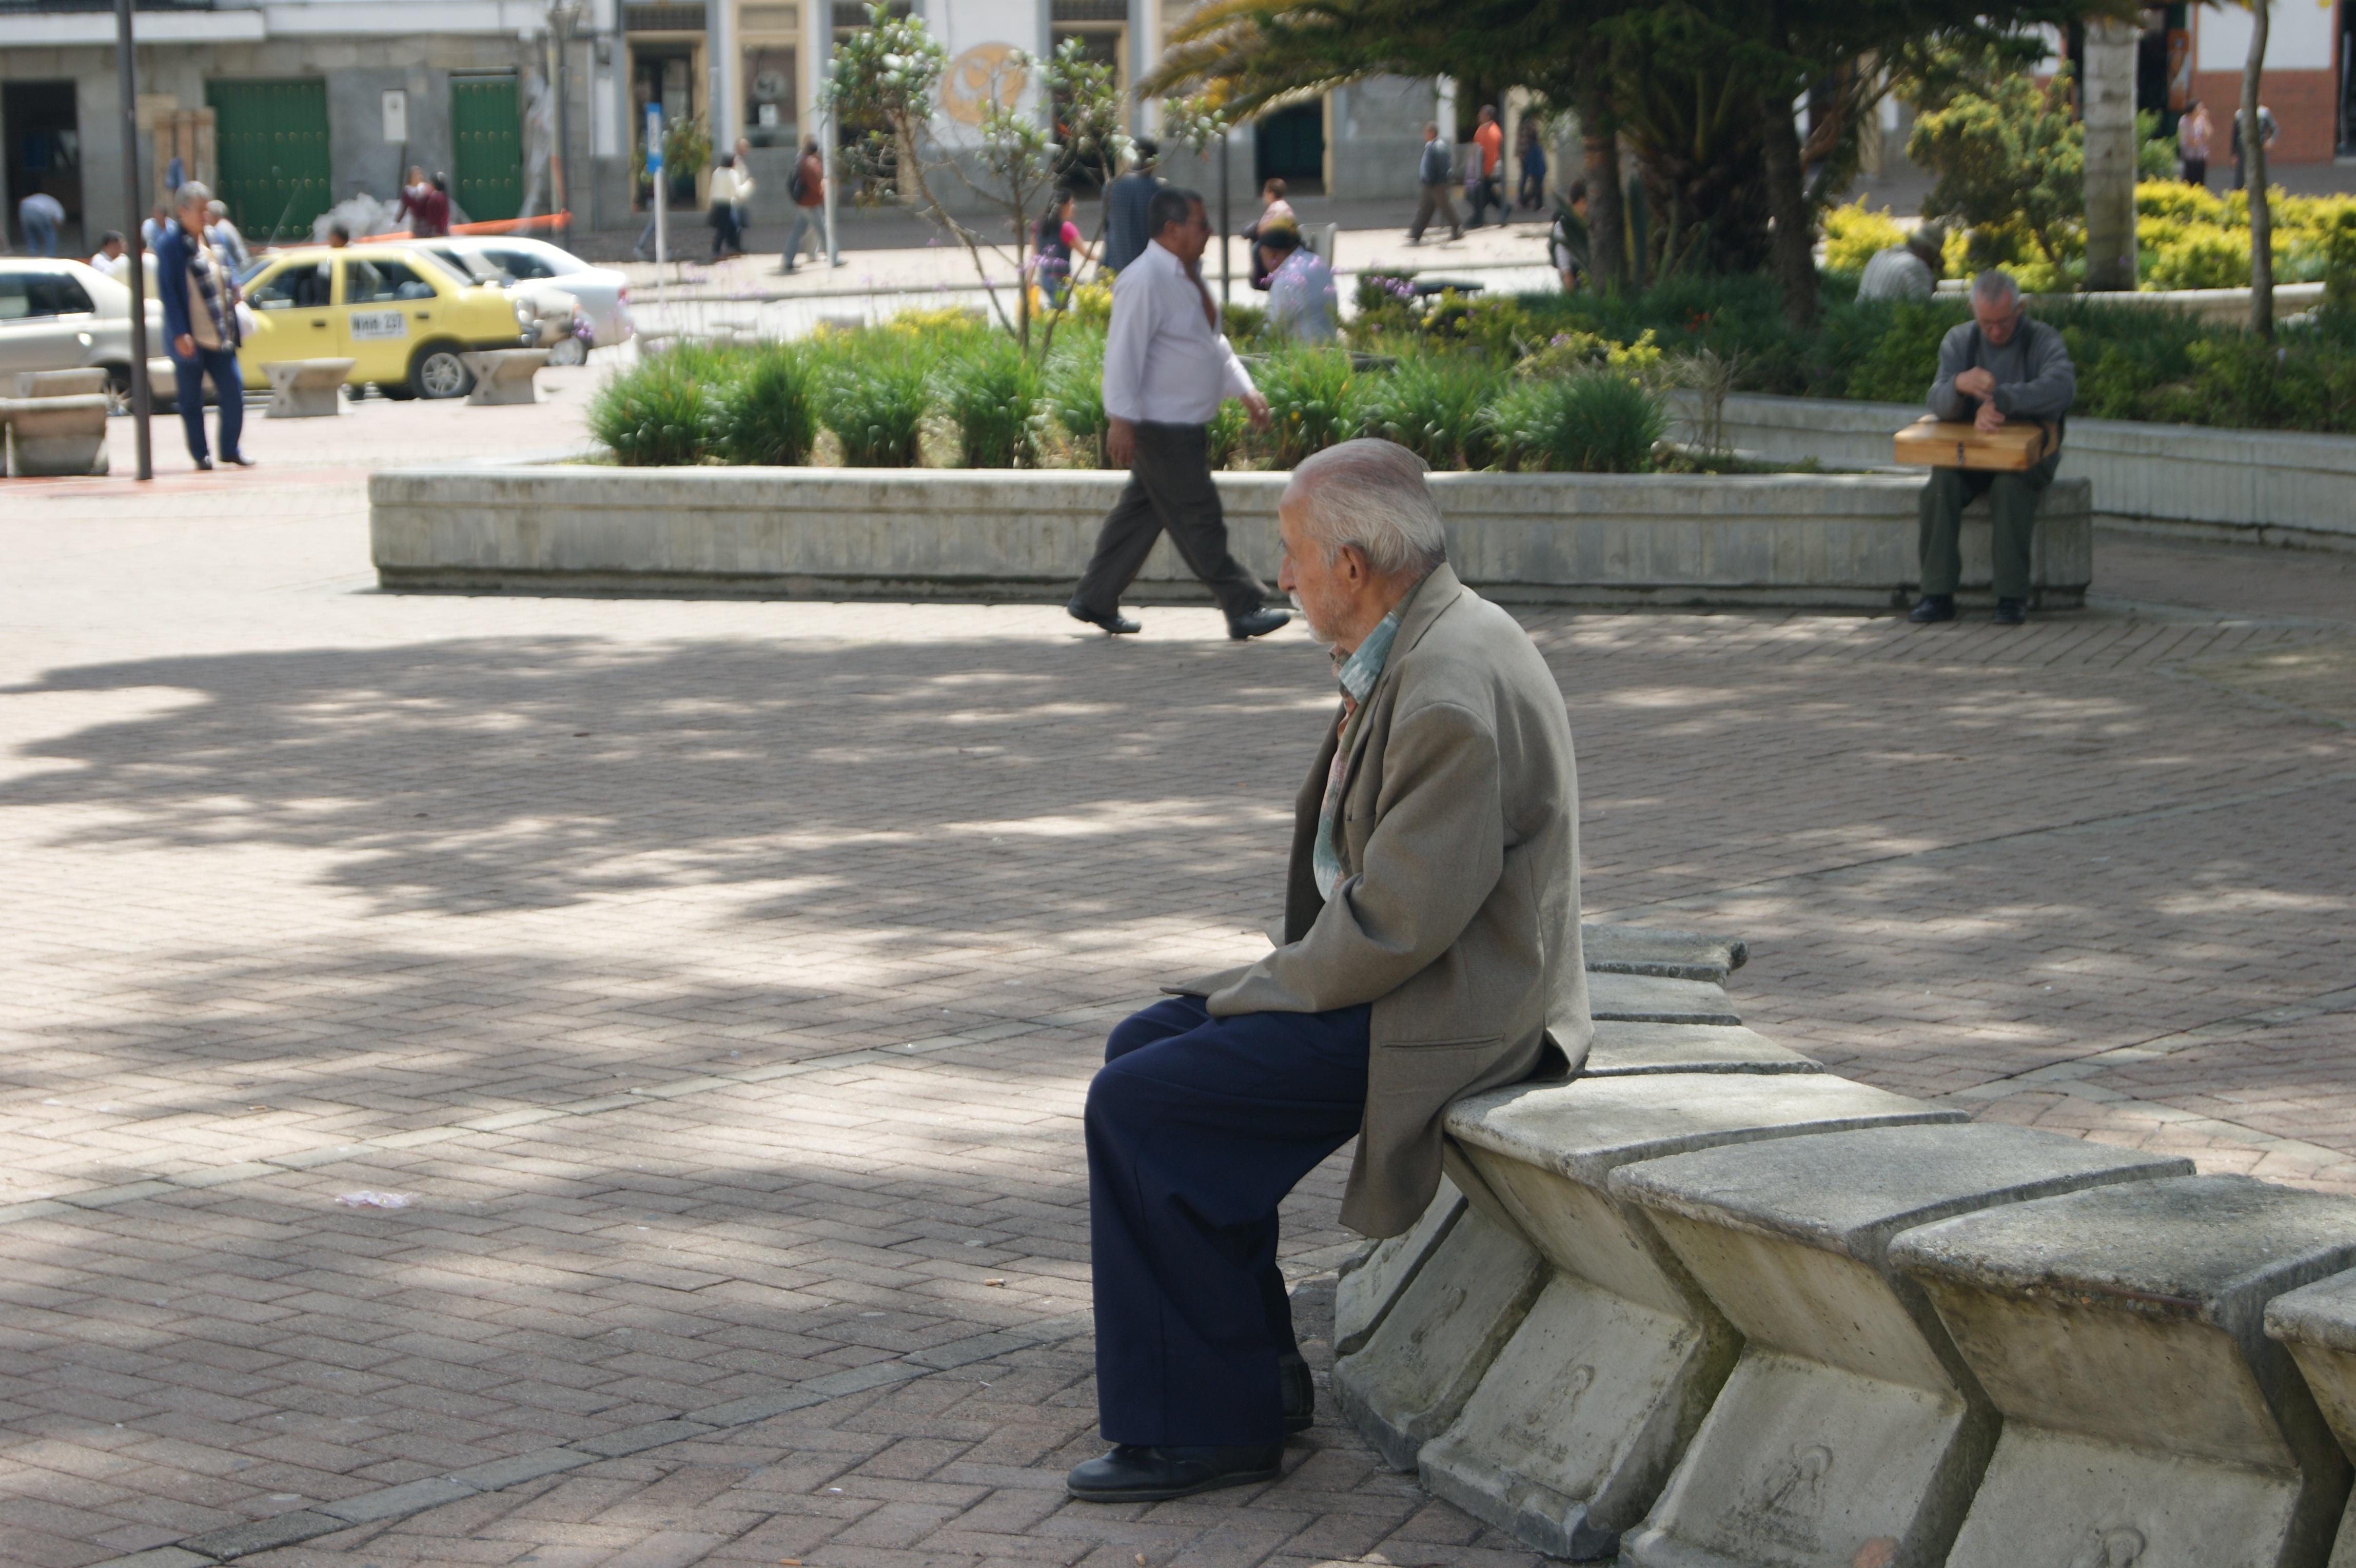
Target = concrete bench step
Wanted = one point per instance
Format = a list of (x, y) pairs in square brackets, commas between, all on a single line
[(79, 382), (1625, 1049), (306, 389), (1650, 999), (1368, 1285), (1666, 954), (1567, 1439), (56, 435), (2147, 1419), (1849, 1431), (2317, 1324), (505, 375)]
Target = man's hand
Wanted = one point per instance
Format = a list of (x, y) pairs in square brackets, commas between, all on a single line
[(1975, 382), (1987, 421), (185, 346), (1120, 442), (1257, 406)]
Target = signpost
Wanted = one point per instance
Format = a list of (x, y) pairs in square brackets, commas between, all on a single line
[(661, 183), (141, 400)]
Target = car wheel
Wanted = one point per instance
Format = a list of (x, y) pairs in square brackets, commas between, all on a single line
[(569, 350), (439, 371)]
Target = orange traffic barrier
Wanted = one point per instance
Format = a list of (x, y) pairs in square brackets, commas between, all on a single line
[(490, 226)]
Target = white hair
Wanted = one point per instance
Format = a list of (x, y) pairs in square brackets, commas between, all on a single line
[(195, 193), (1371, 495), (1996, 288)]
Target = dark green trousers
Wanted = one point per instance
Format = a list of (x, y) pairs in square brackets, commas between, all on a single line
[(2012, 509)]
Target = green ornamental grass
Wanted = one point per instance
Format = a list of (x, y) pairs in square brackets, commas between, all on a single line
[(1315, 399), (657, 414), (990, 391), (1433, 405), (1073, 388), (768, 415), (875, 393), (1592, 422)]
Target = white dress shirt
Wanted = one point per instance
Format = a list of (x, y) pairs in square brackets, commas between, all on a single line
[(1164, 362)]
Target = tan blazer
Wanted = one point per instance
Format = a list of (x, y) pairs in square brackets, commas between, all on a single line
[(1457, 915)]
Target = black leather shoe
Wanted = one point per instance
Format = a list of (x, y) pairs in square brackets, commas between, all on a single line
[(1257, 623), (1135, 1474), (203, 465), (239, 458), (2009, 612), (1933, 607), (1115, 622), (1296, 1392)]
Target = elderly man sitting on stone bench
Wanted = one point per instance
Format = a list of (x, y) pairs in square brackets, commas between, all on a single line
[(1998, 366), (1431, 951)]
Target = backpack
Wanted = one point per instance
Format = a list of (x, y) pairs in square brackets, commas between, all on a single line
[(795, 186)]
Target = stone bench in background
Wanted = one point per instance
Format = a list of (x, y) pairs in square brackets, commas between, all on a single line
[(306, 389), (505, 375), (54, 436), (79, 382), (1850, 1428)]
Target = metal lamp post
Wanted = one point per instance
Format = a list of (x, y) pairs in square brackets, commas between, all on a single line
[(127, 85)]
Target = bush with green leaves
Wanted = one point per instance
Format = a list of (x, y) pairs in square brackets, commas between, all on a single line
[(990, 391), (1315, 399), (768, 412), (658, 414), (1434, 405), (875, 389), (1592, 422), (1073, 389)]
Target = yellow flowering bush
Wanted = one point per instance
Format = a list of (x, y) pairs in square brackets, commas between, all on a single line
[(1853, 232)]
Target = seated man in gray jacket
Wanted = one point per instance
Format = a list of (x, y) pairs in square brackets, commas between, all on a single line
[(2000, 365)]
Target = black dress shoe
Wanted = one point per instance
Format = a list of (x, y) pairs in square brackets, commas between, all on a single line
[(239, 458), (1257, 623), (203, 465), (1114, 622), (1134, 1474), (1933, 607), (2009, 612), (1296, 1392)]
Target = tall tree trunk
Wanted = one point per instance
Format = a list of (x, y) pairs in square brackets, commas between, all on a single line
[(1795, 243), (2108, 100), (1607, 248), (2254, 162)]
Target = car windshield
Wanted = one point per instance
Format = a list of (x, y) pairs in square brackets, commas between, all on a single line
[(472, 268)]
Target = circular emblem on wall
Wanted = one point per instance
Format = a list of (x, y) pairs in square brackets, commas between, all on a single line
[(769, 87), (975, 77)]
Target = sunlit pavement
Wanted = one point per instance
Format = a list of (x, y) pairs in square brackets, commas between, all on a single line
[(719, 982)]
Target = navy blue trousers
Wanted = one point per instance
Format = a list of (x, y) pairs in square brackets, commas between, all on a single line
[(1196, 1129), (229, 390)]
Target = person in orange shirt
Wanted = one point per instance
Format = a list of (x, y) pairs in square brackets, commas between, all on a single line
[(1490, 137)]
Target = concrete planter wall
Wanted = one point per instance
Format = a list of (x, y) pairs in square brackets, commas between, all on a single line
[(2251, 486), (1792, 539), (1697, 1309)]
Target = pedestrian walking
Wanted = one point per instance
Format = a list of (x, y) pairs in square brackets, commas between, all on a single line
[(1126, 200), (1431, 179), (744, 192), (427, 207), (2192, 135), (199, 301), (1481, 180), (38, 215), (225, 237), (1167, 367), (722, 211), (2267, 132), (1060, 251), (1529, 157), (808, 189)]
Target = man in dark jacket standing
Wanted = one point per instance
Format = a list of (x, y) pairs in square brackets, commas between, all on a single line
[(201, 324), (1999, 365), (1126, 199), (1431, 175)]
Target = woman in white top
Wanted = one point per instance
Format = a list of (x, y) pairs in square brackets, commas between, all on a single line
[(728, 187)]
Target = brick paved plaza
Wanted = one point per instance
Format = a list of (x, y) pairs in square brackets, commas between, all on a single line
[(721, 980)]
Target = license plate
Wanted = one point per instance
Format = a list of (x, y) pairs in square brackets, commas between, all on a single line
[(366, 324)]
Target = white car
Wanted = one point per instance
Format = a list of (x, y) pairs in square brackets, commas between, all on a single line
[(603, 293), (557, 314), (60, 315)]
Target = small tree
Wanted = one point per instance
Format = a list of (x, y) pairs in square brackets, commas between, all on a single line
[(2254, 164), (889, 74), (2015, 156)]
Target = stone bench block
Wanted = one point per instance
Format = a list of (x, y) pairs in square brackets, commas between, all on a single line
[(1373, 1281), (1850, 1430), (2317, 1324), (56, 435), (1570, 1436), (306, 389), (61, 383), (1670, 955), (1621, 1050), (505, 375), (2147, 1419), (1650, 999), (1420, 1363)]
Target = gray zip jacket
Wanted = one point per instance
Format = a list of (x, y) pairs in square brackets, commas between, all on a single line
[(2034, 378)]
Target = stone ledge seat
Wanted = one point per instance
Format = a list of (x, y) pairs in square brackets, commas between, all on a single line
[(77, 382), (306, 389), (1605, 1355), (505, 375), (1850, 1430), (56, 435), (2147, 1419), (2317, 1324), (1656, 951), (1653, 999)]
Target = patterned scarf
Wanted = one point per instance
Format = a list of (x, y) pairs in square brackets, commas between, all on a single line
[(205, 277)]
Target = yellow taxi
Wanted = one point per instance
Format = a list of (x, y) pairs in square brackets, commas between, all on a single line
[(398, 315)]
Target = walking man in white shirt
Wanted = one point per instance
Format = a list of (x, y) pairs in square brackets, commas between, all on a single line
[(1167, 367)]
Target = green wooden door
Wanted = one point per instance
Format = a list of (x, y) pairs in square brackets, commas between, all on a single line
[(1291, 144), (271, 139), (487, 132)]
